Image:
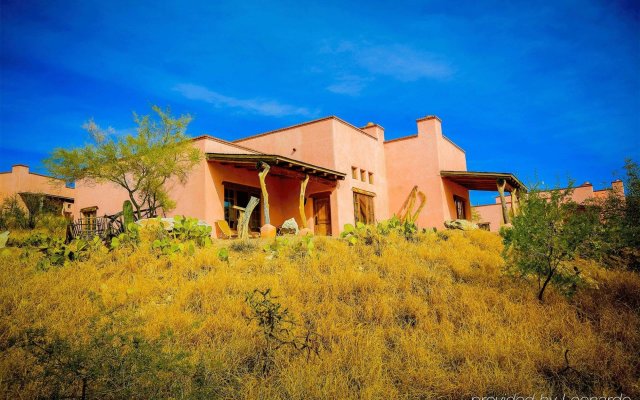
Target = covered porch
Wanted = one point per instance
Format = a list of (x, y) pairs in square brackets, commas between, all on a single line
[(491, 181), (286, 188)]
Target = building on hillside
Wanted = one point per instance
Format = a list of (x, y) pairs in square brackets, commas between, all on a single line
[(490, 216), (23, 184), (354, 175)]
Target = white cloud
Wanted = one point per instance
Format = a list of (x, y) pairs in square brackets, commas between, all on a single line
[(350, 85), (403, 63), (400, 62), (258, 106)]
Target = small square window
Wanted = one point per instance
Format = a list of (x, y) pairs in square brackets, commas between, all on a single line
[(363, 175), (354, 172), (371, 178)]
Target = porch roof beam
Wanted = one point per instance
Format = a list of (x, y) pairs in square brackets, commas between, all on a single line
[(251, 161), (484, 180)]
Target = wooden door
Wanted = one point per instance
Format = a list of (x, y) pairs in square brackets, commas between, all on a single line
[(322, 215)]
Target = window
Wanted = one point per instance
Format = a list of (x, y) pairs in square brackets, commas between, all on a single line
[(371, 178), (363, 175), (363, 208), (461, 208), (354, 172), (238, 195)]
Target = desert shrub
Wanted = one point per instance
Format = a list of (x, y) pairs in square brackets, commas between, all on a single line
[(55, 224), (370, 234), (187, 229), (295, 248), (545, 239), (379, 235), (616, 239), (13, 215), (34, 239), (185, 236), (38, 205), (277, 328), (108, 365), (129, 239), (362, 234), (56, 252), (407, 228), (243, 246), (41, 212)]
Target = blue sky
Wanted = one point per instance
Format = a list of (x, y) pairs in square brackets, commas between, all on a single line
[(549, 90)]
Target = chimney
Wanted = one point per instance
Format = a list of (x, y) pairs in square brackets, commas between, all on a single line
[(429, 125), (618, 187), (374, 130), (20, 169)]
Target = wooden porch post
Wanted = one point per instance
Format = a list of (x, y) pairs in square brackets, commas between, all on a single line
[(515, 206), (303, 189), (501, 183), (265, 194)]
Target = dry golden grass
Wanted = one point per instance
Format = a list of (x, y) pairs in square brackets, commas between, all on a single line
[(437, 317)]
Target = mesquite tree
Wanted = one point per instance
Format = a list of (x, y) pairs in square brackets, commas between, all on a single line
[(545, 239), (141, 163)]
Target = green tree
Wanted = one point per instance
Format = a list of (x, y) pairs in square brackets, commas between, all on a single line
[(545, 238), (141, 163), (632, 209), (39, 204), (617, 240)]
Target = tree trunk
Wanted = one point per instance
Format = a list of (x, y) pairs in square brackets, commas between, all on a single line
[(135, 204), (546, 282)]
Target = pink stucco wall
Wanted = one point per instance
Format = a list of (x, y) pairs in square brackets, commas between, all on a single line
[(311, 142), (492, 213), (20, 180), (418, 160)]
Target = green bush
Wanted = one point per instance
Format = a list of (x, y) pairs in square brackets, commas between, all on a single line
[(187, 229), (616, 239), (110, 365), (545, 239), (185, 236), (12, 215), (128, 239), (58, 253)]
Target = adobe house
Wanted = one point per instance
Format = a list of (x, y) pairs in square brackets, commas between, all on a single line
[(354, 175), (491, 215), (21, 182)]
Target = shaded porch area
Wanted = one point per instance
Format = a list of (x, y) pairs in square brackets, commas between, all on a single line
[(490, 181), (288, 188)]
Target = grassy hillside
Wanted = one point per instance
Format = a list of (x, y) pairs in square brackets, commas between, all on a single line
[(434, 317)]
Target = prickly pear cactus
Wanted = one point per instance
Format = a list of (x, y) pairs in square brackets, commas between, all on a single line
[(127, 214)]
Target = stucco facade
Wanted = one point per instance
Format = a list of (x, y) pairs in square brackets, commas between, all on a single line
[(491, 214), (347, 165), (19, 181)]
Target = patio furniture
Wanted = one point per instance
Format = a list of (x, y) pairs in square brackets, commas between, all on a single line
[(226, 230)]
